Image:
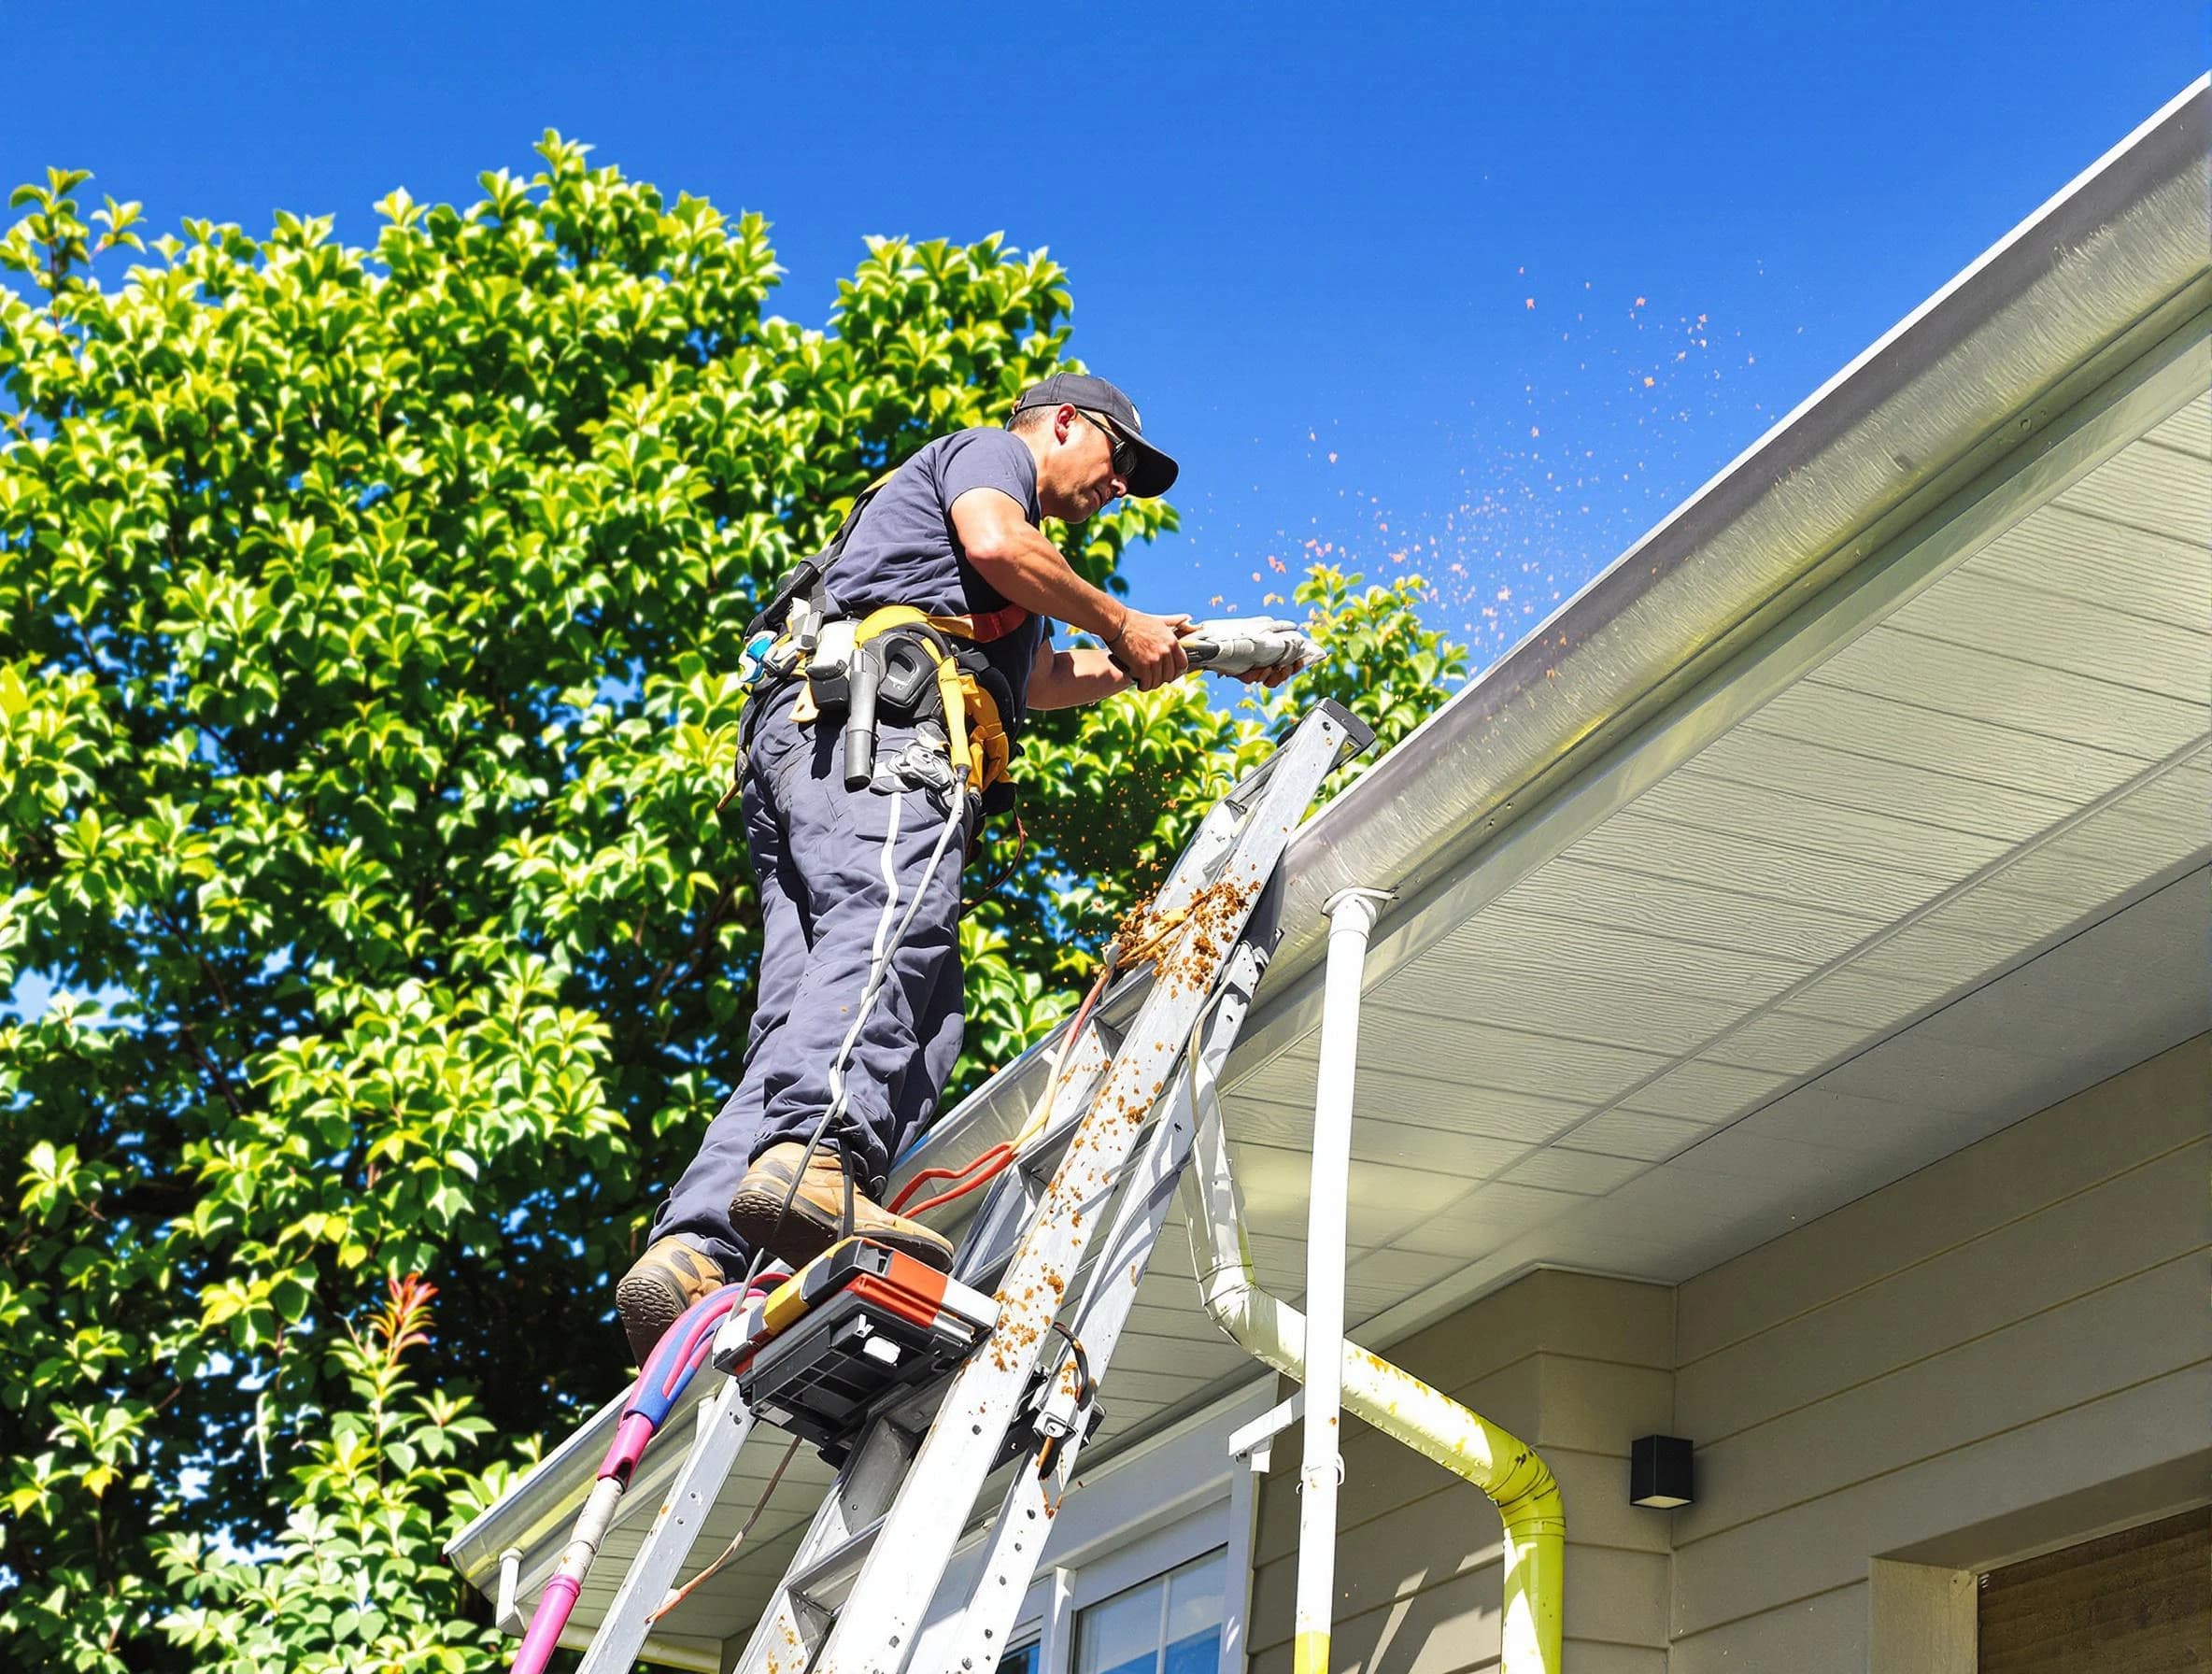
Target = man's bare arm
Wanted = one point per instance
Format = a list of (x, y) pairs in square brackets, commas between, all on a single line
[(1062, 679), (1028, 570)]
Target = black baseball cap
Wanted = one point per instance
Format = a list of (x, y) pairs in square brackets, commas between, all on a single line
[(1155, 471)]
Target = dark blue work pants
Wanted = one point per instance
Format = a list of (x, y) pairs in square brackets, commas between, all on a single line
[(829, 863)]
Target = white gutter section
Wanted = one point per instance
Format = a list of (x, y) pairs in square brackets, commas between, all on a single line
[(1352, 916), (1396, 1402), (2111, 264)]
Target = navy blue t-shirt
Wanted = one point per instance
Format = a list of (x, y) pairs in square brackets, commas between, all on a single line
[(904, 550)]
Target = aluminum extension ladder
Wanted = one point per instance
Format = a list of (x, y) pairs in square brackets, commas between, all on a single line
[(870, 1564)]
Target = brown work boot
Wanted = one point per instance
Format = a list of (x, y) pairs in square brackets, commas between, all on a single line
[(814, 1219), (666, 1280)]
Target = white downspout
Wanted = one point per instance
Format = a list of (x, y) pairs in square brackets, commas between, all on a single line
[(1506, 1468), (1352, 916)]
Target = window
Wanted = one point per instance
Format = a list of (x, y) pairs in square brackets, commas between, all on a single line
[(1169, 1624), (1021, 1660)]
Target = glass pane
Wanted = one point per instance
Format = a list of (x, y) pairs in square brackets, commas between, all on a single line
[(1194, 1617), (1020, 1661), (1121, 1635)]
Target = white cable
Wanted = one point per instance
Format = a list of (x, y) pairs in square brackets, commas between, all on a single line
[(880, 954)]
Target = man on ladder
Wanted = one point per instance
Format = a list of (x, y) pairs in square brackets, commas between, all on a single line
[(894, 679)]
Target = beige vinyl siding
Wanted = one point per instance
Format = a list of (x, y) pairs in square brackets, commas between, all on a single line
[(1576, 1366), (2021, 1320)]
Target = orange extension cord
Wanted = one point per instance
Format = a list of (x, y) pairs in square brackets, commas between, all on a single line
[(993, 1162)]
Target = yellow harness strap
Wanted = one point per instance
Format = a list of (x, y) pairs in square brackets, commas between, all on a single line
[(977, 730), (978, 734)]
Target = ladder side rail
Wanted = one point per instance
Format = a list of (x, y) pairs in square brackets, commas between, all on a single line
[(1015, 1542), (1010, 1204), (874, 1632), (621, 1634)]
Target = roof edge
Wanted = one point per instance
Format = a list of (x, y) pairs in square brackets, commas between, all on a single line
[(1908, 417)]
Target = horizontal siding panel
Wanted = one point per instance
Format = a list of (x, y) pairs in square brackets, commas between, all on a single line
[(1588, 1173), (1828, 779), (1825, 1635), (1615, 1598), (2177, 799), (1592, 1406), (1608, 1008), (2077, 555), (1747, 1156), (2110, 853), (1634, 843), (1564, 952), (1487, 1217), (2149, 1214), (1514, 1060), (1633, 1133), (2153, 487), (1401, 1270), (1418, 1102), (2072, 634), (1818, 1114), (1698, 913), (2007, 691), (1863, 999), (2010, 919), (1811, 1547), (1449, 1628), (1784, 1042), (2107, 1340), (1378, 1137), (1953, 746), (1447, 1534), (1580, 1314), (2097, 1135), (1931, 954), (2188, 430), (1705, 1092)]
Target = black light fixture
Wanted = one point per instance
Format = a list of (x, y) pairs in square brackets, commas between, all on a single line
[(1660, 1473)]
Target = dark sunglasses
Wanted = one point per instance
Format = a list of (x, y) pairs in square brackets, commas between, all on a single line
[(1125, 450)]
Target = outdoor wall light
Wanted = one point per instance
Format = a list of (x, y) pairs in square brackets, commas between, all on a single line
[(1660, 1473)]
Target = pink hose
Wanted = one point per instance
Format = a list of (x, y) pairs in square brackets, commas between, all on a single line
[(678, 1357), (551, 1616)]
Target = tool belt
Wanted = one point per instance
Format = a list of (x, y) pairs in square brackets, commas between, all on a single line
[(897, 662), (906, 665)]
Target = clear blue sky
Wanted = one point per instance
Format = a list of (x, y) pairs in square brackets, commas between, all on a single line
[(1306, 239)]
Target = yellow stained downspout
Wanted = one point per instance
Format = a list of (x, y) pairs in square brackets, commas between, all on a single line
[(1396, 1402)]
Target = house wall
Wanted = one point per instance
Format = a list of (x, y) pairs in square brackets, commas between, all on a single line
[(2006, 1350), (2004, 1353), (1574, 1365)]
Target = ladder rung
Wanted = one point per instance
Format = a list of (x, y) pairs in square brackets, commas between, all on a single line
[(825, 1582)]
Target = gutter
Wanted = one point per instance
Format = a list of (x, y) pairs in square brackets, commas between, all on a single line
[(2115, 260)]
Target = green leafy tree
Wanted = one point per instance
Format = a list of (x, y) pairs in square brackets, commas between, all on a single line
[(368, 646), (356, 1584)]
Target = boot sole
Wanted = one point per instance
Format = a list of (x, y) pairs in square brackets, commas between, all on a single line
[(646, 1308), (807, 1230)]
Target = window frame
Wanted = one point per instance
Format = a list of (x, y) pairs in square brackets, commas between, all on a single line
[(1221, 1549)]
